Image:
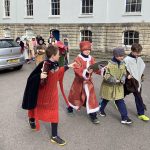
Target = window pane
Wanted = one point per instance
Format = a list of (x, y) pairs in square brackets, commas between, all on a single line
[(136, 35), (53, 12), (87, 3), (128, 1), (131, 34), (53, 5), (127, 8), (125, 34), (83, 3), (130, 41), (4, 44), (91, 2), (83, 10), (136, 40), (91, 9), (138, 8), (90, 39), (87, 10), (133, 1), (82, 39), (86, 33), (133, 8), (125, 41)]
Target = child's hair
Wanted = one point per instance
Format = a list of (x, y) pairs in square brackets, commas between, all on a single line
[(136, 47), (51, 50)]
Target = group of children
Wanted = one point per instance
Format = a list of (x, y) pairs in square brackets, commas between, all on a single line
[(33, 49), (42, 102)]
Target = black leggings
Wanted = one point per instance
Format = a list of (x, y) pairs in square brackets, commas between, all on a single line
[(54, 129)]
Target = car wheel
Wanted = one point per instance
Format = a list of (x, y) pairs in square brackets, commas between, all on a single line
[(18, 67)]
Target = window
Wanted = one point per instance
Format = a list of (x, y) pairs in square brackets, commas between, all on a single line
[(55, 7), (86, 35), (29, 7), (7, 43), (133, 5), (29, 33), (7, 33), (7, 8), (87, 6), (131, 37)]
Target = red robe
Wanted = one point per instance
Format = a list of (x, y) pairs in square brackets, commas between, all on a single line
[(82, 88), (47, 102)]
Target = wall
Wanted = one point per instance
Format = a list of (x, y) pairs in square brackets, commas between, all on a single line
[(105, 36)]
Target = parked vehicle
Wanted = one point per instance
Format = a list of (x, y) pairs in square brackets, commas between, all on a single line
[(10, 54)]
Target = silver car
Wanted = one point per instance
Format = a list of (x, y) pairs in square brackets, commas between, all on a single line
[(10, 54)]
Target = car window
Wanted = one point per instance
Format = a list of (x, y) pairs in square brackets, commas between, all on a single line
[(8, 43)]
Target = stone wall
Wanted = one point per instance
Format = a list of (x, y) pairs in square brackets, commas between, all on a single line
[(105, 36)]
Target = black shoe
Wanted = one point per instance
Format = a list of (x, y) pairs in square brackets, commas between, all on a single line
[(32, 123), (95, 120), (102, 113), (58, 140), (70, 110), (126, 121), (33, 59)]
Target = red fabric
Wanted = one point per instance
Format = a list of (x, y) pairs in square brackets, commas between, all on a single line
[(61, 46), (85, 45), (62, 90), (77, 95), (47, 103)]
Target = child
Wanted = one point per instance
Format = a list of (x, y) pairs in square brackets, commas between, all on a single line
[(62, 53), (46, 106), (32, 46), (40, 54), (112, 85), (135, 68), (82, 91)]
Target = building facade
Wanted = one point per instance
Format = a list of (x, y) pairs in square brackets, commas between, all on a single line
[(106, 23)]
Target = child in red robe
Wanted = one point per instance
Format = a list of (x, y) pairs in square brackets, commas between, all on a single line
[(82, 92), (47, 100)]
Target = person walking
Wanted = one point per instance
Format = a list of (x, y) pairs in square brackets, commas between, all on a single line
[(41, 93)]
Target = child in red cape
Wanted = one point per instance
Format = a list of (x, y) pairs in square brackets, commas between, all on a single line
[(46, 108)]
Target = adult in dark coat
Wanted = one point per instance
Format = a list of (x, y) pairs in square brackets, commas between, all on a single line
[(31, 90)]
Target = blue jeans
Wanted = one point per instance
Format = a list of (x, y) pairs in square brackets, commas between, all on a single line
[(139, 103), (120, 105)]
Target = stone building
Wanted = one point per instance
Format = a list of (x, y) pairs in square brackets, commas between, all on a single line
[(106, 23)]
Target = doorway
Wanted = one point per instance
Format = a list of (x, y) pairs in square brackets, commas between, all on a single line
[(55, 33)]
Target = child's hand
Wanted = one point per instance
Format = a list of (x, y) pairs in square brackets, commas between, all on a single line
[(90, 71), (117, 81), (72, 65), (129, 76), (43, 75)]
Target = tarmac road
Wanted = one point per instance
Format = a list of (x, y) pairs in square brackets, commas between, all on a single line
[(78, 131)]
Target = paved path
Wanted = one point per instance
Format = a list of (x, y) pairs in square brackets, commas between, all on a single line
[(79, 132)]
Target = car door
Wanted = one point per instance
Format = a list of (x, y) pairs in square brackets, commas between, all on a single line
[(9, 48)]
